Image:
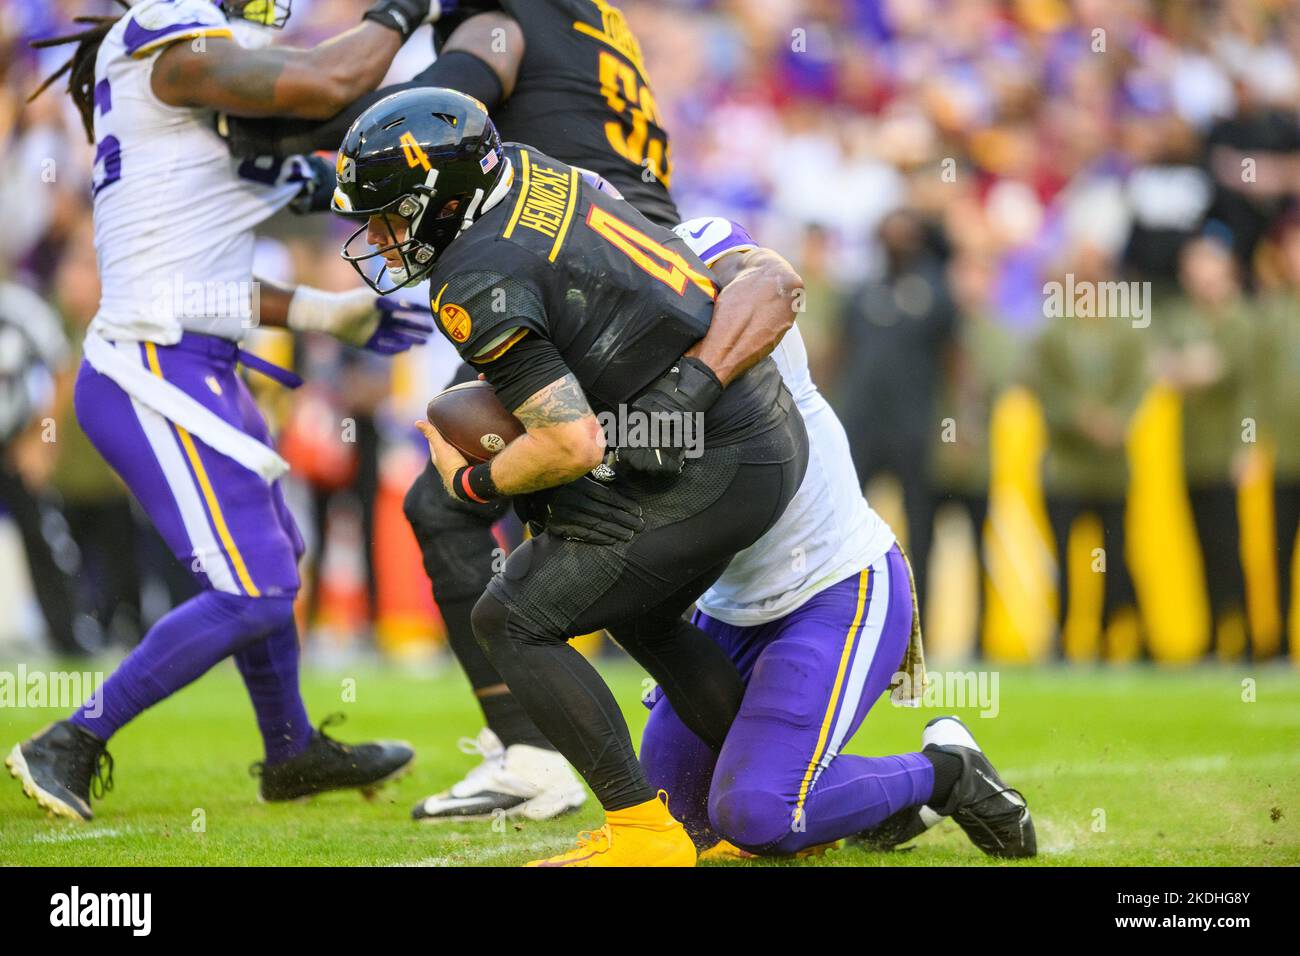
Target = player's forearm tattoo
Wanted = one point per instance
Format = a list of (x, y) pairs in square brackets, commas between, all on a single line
[(558, 403)]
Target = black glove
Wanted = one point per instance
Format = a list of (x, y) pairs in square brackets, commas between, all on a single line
[(587, 510), (317, 186), (404, 16), (689, 388)]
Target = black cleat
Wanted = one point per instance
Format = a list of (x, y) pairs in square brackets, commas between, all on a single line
[(60, 767), (327, 764), (995, 817), (897, 829)]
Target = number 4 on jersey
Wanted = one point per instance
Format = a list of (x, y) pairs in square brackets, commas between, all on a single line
[(651, 257)]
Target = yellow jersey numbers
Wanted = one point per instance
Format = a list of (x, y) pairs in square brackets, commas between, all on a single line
[(651, 257)]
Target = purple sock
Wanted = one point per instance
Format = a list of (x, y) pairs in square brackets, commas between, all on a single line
[(181, 647), (270, 671)]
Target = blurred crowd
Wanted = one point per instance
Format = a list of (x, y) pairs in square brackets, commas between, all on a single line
[(931, 167)]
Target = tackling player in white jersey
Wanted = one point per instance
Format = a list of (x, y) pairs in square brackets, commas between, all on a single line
[(158, 393), (819, 615)]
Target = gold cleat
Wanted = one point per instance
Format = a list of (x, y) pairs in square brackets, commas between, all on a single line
[(723, 850), (644, 835)]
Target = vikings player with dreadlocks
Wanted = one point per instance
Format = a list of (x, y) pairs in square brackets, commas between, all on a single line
[(158, 392)]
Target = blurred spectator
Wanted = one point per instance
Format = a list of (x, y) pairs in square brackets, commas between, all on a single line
[(33, 352), (1206, 354), (981, 364), (896, 329), (1277, 361), (1089, 372)]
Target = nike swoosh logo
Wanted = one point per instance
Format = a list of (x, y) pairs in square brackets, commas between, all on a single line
[(464, 803), (699, 232)]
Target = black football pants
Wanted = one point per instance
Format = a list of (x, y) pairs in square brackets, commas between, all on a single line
[(552, 589)]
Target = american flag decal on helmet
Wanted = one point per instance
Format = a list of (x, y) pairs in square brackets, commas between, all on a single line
[(489, 162)]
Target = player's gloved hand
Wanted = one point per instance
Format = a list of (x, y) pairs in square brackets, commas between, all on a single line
[(404, 16), (386, 325), (318, 181), (689, 388), (402, 324), (587, 510)]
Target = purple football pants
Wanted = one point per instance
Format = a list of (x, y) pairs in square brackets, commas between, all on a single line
[(780, 783), (229, 527)]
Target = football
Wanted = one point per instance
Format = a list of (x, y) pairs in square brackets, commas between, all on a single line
[(472, 419)]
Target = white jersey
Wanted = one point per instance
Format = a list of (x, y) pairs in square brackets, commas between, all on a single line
[(828, 531), (174, 212)]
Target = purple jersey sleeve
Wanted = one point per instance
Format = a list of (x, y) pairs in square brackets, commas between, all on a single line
[(712, 237)]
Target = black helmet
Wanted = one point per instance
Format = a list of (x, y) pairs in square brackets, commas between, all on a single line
[(430, 156)]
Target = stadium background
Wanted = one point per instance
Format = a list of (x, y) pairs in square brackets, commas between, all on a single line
[(991, 147)]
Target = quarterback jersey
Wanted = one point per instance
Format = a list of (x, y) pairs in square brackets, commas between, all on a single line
[(583, 93), (173, 212), (828, 531), (618, 297)]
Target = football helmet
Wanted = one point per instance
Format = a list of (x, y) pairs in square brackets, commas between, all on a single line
[(428, 156), (264, 13)]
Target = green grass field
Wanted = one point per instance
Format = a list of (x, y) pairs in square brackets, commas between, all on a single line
[(1120, 767)]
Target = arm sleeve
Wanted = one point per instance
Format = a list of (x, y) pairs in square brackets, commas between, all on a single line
[(524, 369)]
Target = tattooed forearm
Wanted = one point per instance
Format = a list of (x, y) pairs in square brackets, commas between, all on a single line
[(563, 441), (560, 402)]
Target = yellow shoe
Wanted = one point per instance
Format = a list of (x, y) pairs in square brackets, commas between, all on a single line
[(644, 835), (722, 850)]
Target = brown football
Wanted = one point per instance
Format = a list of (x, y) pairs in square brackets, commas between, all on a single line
[(472, 419)]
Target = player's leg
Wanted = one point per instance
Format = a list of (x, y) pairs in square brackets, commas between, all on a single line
[(681, 764), (521, 773), (220, 520), (552, 589), (299, 759), (781, 784)]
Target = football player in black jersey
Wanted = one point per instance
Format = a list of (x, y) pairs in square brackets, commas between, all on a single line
[(579, 311), (567, 77)]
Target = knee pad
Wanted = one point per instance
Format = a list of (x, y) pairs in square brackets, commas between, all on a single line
[(238, 621), (490, 620), (753, 819)]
